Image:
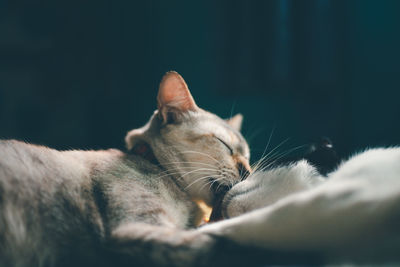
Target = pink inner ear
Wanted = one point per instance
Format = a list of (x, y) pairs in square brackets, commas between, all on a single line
[(174, 93), (143, 150)]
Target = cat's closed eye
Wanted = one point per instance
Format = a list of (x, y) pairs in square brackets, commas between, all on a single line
[(226, 145)]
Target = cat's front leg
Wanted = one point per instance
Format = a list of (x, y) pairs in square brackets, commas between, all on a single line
[(146, 244), (149, 245), (138, 244)]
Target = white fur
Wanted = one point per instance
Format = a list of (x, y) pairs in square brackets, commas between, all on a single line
[(356, 211), (265, 188)]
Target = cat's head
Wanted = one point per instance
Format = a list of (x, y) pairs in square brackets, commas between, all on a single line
[(199, 149)]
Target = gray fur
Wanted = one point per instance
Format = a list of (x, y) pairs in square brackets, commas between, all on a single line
[(55, 203), (62, 208)]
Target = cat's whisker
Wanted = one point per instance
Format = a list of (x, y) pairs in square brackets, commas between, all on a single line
[(249, 138), (217, 179), (233, 107), (196, 181), (281, 155), (266, 162), (268, 154), (187, 162), (187, 173), (184, 168), (267, 159), (229, 171), (208, 184), (200, 179), (269, 141), (211, 182), (198, 171), (176, 169), (201, 153), (183, 175), (272, 163), (219, 183), (194, 151)]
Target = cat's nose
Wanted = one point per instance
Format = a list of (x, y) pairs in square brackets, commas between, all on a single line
[(243, 167)]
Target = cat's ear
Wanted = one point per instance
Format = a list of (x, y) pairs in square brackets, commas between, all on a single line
[(174, 97), (236, 122), (134, 137), (136, 144)]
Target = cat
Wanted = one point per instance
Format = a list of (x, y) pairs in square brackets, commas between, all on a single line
[(350, 216), (64, 208), (110, 208)]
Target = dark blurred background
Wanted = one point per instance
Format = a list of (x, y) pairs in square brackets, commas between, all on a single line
[(79, 74)]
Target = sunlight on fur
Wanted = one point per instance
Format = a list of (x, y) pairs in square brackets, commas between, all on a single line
[(206, 211)]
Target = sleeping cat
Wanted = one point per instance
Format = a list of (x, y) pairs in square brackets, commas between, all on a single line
[(107, 207)]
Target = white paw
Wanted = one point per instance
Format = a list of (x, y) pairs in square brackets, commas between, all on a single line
[(264, 188)]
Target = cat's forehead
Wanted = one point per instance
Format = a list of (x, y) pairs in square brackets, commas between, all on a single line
[(221, 130), (211, 124)]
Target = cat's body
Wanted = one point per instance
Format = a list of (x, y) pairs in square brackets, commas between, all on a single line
[(56, 205), (63, 208)]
